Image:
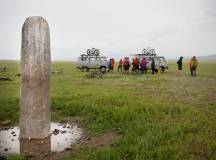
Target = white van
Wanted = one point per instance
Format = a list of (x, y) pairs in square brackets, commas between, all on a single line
[(160, 61), (86, 62)]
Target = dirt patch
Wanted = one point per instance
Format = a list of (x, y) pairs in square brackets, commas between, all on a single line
[(106, 139), (99, 141)]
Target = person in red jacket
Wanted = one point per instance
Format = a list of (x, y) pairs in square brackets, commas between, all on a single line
[(136, 64), (126, 65)]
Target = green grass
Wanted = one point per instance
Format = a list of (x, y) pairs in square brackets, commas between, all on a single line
[(171, 116)]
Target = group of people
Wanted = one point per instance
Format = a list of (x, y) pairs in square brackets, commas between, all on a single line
[(123, 66), (142, 65), (137, 65), (193, 63)]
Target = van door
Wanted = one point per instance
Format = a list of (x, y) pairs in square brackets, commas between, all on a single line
[(83, 61), (157, 62), (104, 62), (149, 60), (92, 63)]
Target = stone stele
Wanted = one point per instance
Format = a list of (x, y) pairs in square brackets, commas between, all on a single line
[(35, 79)]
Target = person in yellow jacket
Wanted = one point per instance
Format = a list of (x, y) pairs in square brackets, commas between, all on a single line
[(193, 63)]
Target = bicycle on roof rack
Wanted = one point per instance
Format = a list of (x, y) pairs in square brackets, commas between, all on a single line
[(148, 51), (149, 54), (92, 60), (93, 52)]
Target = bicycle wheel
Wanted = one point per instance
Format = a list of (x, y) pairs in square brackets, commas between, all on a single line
[(96, 52), (89, 52), (144, 51), (151, 51)]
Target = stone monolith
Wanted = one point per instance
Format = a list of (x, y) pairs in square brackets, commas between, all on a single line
[(35, 79)]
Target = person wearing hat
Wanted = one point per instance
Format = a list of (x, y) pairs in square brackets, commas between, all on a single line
[(179, 62)]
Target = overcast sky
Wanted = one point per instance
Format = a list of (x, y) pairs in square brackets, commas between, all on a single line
[(117, 27)]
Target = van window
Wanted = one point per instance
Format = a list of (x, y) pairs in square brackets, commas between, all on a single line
[(91, 59), (141, 57), (162, 58), (148, 58), (83, 58), (157, 59), (97, 59), (103, 59)]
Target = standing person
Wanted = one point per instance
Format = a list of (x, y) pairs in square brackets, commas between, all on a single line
[(179, 62), (126, 65), (136, 64), (143, 65), (120, 65), (110, 65), (113, 63), (194, 64), (153, 66)]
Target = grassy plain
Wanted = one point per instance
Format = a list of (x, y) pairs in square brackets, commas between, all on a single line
[(171, 116)]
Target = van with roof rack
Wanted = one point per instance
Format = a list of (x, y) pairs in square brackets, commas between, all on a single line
[(92, 60), (149, 54)]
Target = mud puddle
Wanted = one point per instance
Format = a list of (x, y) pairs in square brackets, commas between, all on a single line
[(61, 139)]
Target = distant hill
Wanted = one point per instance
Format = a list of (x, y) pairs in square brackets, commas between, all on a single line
[(200, 58), (207, 58)]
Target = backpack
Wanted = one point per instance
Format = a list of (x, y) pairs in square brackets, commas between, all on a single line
[(194, 63), (136, 61)]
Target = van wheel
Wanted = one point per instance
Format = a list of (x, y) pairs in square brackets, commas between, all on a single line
[(162, 69), (103, 69), (85, 69)]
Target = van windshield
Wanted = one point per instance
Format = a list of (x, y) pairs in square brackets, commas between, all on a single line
[(92, 59), (160, 59), (103, 59), (83, 58)]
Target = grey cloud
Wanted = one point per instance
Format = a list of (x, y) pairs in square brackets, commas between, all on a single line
[(210, 8), (117, 27)]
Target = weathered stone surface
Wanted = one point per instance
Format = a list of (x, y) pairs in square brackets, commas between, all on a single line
[(35, 79)]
